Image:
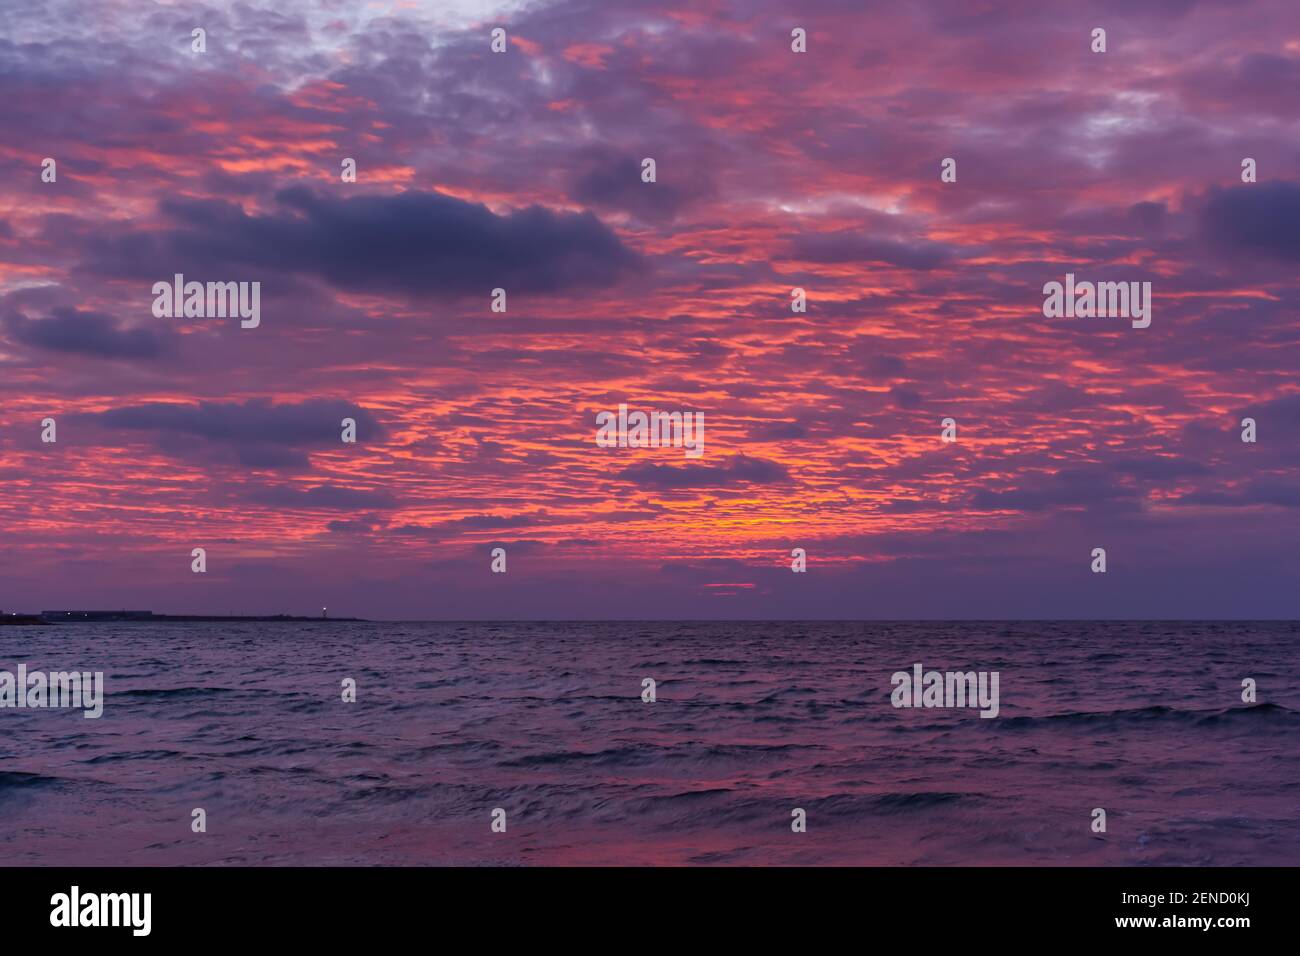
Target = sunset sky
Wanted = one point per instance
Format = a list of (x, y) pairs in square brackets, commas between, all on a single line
[(775, 170)]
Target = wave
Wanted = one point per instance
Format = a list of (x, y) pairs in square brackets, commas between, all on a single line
[(861, 805), (133, 755), (174, 693), (16, 781), (720, 806), (640, 754), (1158, 713)]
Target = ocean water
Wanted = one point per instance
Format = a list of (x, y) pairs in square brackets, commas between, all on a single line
[(546, 721)]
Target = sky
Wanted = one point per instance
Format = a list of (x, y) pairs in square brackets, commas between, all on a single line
[(774, 170)]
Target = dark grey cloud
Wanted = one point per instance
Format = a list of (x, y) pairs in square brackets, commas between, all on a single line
[(1148, 217), (1089, 486), (1159, 467), (737, 470), (85, 333), (1278, 411), (365, 524), (411, 242), (1278, 492), (321, 496), (257, 433), (779, 431), (905, 397), (518, 546), (610, 180), (1261, 219)]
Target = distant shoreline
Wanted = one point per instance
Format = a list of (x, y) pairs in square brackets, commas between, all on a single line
[(148, 617)]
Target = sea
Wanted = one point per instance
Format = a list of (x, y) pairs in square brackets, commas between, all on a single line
[(534, 744)]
